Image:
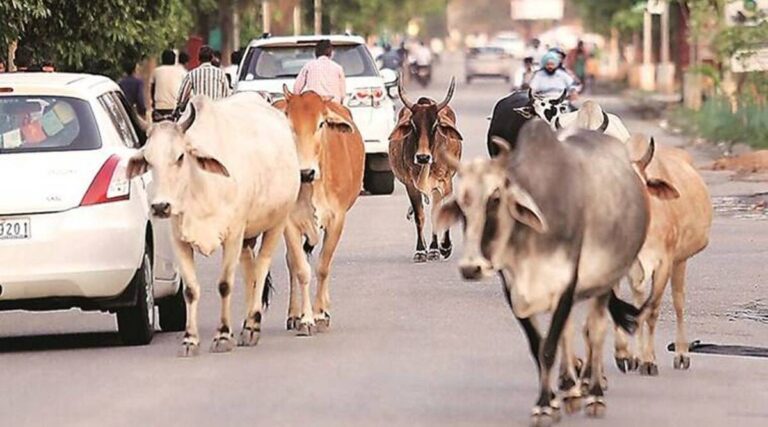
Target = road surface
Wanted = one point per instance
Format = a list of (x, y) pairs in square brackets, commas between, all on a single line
[(411, 345)]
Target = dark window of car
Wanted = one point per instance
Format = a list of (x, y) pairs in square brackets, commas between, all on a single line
[(111, 103), (270, 62), (30, 123)]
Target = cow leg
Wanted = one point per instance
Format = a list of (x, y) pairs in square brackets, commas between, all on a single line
[(224, 340), (596, 327), (190, 345), (323, 296), (547, 407), (648, 364), (251, 332), (626, 360), (446, 246), (302, 271), (569, 371), (682, 360), (418, 209), (294, 302), (434, 249)]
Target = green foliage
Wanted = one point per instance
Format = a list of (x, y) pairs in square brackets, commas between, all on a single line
[(15, 16), (372, 16), (716, 122), (79, 34), (598, 14), (630, 20)]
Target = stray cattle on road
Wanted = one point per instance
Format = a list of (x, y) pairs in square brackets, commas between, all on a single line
[(332, 159), (563, 217), (425, 131), (679, 229), (592, 116), (225, 175)]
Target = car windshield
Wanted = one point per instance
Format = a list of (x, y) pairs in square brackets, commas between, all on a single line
[(271, 62), (486, 51), (46, 123)]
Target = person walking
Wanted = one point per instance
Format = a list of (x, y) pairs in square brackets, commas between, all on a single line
[(203, 80), (322, 75), (577, 61), (164, 86), (233, 67), (133, 88)]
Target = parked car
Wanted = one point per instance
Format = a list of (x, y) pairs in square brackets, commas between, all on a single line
[(270, 62), (487, 61), (74, 232), (511, 42)]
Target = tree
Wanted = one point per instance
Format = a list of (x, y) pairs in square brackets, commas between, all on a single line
[(598, 14)]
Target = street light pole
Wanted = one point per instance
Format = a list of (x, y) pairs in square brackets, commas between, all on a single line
[(266, 16), (318, 17), (297, 19)]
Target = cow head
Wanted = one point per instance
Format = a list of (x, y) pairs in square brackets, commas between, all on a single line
[(311, 116), (169, 154), (423, 122), (545, 107), (655, 186), (490, 205)]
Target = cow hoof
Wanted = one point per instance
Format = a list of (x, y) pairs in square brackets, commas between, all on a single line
[(305, 328), (627, 364), (446, 252), (557, 413), (681, 362), (249, 337), (420, 257), (433, 255), (323, 321), (595, 407), (578, 366), (542, 417), (223, 344), (189, 349), (292, 323), (572, 404), (649, 369)]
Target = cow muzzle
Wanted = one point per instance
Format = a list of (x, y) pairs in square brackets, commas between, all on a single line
[(475, 269), (422, 159), (161, 209), (309, 175)]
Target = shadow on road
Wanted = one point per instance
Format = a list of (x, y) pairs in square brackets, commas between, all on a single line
[(59, 342)]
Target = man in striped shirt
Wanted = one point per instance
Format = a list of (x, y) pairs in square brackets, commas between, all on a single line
[(203, 80), (322, 75)]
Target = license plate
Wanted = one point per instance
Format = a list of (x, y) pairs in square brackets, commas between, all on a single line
[(18, 228)]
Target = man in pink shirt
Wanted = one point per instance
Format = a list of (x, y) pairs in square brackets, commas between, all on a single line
[(322, 75)]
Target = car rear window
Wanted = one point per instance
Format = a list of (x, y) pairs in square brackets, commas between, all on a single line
[(46, 123), (270, 62)]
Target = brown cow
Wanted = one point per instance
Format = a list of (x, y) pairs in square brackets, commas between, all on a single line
[(679, 229), (426, 130), (331, 160)]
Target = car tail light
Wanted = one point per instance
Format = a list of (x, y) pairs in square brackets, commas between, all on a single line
[(110, 184), (367, 96)]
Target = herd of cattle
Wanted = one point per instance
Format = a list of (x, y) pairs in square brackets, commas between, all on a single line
[(567, 206)]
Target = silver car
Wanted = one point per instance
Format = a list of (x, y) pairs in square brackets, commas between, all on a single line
[(488, 61)]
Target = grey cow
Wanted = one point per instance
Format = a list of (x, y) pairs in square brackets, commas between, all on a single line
[(562, 218)]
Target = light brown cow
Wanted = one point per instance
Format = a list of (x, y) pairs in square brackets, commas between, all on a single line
[(331, 159), (426, 130), (679, 229)]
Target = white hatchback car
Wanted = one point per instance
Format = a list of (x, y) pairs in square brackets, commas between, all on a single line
[(270, 62), (74, 232)]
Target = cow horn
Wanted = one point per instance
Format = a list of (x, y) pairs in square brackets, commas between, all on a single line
[(287, 92), (191, 119), (648, 156), (502, 144), (401, 92), (448, 95), (562, 96)]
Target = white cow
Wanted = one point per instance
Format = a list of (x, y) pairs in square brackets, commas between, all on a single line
[(226, 174)]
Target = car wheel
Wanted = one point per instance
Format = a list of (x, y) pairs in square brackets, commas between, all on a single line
[(136, 325), (381, 182), (173, 312)]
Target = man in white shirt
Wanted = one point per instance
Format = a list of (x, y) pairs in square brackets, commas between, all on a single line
[(551, 79), (164, 85), (422, 56), (234, 66)]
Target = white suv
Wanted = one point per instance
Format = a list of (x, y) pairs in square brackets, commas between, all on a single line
[(74, 232), (270, 62)]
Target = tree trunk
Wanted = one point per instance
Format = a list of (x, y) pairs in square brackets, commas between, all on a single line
[(226, 12)]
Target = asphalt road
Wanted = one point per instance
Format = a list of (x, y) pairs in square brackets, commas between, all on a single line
[(410, 344)]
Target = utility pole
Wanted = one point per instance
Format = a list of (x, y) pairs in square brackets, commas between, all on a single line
[(318, 17), (297, 19), (266, 16)]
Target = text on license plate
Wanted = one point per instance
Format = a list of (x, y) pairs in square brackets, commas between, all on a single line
[(18, 228)]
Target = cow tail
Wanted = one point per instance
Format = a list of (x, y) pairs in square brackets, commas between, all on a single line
[(268, 290), (624, 314)]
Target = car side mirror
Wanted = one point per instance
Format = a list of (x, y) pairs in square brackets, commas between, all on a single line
[(389, 76)]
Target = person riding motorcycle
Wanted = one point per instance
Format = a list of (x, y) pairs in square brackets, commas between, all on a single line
[(551, 79), (390, 59), (421, 64)]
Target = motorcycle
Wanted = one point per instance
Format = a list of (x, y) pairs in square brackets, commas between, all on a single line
[(422, 74)]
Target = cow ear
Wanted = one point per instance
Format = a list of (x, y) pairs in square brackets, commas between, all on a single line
[(526, 112), (403, 127), (208, 163), (448, 214), (336, 121), (524, 209), (662, 189), (137, 165), (281, 104)]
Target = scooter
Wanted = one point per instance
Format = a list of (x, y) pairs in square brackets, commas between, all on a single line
[(422, 74)]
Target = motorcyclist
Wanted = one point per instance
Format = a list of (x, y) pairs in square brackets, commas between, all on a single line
[(390, 59), (551, 79), (421, 63), (524, 74)]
